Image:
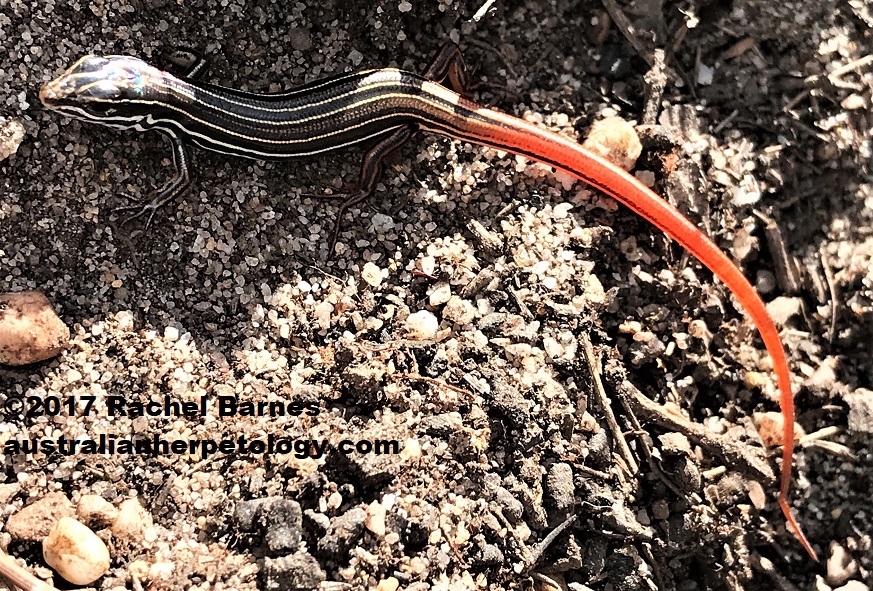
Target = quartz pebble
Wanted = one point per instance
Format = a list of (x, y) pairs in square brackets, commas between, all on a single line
[(95, 511), (372, 274), (769, 425), (616, 140), (459, 311), (75, 552), (132, 520), (840, 565), (422, 325), (376, 518), (11, 135), (30, 331)]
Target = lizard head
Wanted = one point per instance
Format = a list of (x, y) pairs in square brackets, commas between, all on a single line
[(113, 90)]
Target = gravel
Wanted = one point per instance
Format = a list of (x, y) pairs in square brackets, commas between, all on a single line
[(456, 343)]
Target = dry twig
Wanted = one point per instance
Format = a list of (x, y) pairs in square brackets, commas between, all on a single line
[(734, 454), (594, 367), (19, 577)]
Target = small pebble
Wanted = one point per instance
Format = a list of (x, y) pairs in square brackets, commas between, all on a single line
[(769, 426), (840, 565), (850, 103), (95, 511), (860, 410), (616, 140), (421, 325), (411, 450), (376, 518), (783, 309), (459, 311), (440, 293), (11, 135), (139, 569), (132, 520), (372, 274), (75, 552), (301, 40), (30, 331), (389, 584), (427, 265)]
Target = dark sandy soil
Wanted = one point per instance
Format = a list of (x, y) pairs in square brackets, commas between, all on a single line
[(485, 365)]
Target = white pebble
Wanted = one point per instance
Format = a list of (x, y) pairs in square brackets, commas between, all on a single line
[(375, 521), (30, 331), (75, 552), (322, 314), (11, 135), (427, 265), (440, 293), (132, 520), (372, 274), (422, 325), (459, 311)]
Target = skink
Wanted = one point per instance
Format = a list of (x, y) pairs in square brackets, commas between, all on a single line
[(385, 106)]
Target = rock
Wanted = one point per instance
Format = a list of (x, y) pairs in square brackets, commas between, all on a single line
[(284, 521), (860, 410), (459, 311), (376, 518), (421, 325), (411, 450), (623, 571), (8, 492), (439, 293), (75, 552), (96, 512), (372, 275), (488, 555), (616, 140), (840, 565), (389, 584), (560, 490), (783, 309), (35, 521), (281, 521), (599, 451), (442, 425), (11, 135), (675, 443), (365, 379), (343, 532), (132, 520), (824, 378), (301, 40), (511, 507), (295, 572), (139, 569), (769, 426), (30, 331)]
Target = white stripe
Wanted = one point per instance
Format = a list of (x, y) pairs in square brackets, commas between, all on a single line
[(187, 89), (209, 143), (288, 123)]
